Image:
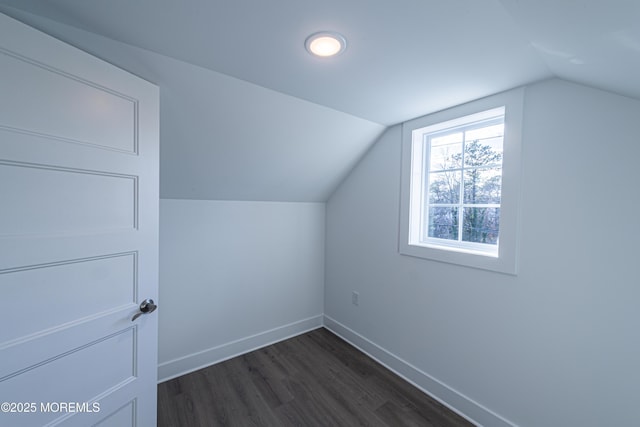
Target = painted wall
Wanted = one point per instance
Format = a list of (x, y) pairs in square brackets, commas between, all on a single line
[(557, 345), (235, 276)]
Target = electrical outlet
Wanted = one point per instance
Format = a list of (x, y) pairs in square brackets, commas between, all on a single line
[(355, 298)]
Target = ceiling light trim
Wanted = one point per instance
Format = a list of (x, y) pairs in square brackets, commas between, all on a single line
[(325, 44)]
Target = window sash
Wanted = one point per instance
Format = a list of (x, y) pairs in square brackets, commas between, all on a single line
[(426, 149)]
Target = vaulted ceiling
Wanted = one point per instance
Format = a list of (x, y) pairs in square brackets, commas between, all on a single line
[(248, 114)]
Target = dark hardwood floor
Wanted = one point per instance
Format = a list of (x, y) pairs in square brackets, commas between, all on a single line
[(315, 379)]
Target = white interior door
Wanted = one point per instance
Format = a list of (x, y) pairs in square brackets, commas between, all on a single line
[(78, 236)]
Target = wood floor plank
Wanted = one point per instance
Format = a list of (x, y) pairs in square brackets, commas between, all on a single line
[(268, 377), (314, 379), (398, 416)]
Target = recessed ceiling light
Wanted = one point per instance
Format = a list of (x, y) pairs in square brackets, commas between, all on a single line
[(325, 43)]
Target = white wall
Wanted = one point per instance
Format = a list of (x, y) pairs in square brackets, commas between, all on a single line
[(557, 345), (235, 276)]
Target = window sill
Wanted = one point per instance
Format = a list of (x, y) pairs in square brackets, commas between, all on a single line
[(467, 258)]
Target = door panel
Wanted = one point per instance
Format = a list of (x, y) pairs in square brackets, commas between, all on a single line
[(64, 105), (93, 200), (78, 236), (107, 282), (121, 417), (95, 367)]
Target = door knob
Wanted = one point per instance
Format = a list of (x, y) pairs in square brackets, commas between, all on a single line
[(146, 306)]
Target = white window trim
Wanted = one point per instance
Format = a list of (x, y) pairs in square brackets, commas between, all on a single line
[(506, 259)]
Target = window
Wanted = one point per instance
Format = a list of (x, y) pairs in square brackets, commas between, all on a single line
[(460, 184), (457, 185)]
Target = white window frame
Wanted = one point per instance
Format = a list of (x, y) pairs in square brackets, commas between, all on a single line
[(504, 259)]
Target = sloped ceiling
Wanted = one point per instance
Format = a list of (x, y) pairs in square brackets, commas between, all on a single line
[(248, 114), (593, 42)]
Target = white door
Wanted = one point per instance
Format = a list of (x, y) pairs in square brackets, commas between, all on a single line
[(78, 236)]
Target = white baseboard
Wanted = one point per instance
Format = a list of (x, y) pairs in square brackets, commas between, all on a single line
[(456, 401), (193, 362)]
